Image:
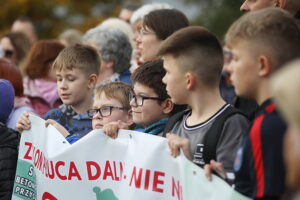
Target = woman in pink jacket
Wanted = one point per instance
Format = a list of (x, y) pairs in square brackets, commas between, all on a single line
[(40, 81)]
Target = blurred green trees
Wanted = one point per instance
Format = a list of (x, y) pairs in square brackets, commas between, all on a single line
[(51, 17), (54, 16), (217, 15)]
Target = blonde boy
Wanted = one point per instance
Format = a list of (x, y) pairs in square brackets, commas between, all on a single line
[(77, 68), (261, 42), (193, 60), (111, 104)]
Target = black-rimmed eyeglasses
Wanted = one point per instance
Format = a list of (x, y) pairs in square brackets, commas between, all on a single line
[(104, 111), (139, 99)]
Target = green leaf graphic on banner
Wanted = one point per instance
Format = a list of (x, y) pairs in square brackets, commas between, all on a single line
[(106, 194), (25, 181)]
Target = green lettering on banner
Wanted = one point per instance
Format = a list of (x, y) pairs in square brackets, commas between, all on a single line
[(25, 181)]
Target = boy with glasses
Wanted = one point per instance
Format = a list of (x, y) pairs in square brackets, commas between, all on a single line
[(111, 104), (150, 104)]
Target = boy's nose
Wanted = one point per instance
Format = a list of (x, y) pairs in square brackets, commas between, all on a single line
[(132, 103), (63, 85), (97, 116)]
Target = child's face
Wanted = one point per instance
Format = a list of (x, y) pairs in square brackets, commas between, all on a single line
[(116, 114), (244, 69), (73, 87), (174, 79), (151, 111)]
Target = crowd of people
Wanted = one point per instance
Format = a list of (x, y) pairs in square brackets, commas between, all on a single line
[(230, 106)]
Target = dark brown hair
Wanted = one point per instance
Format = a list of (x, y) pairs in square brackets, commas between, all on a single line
[(196, 50), (164, 22), (151, 74), (11, 73), (41, 56)]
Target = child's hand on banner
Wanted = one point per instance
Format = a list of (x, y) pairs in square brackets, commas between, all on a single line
[(23, 122), (111, 129), (175, 143), (58, 126), (216, 167)]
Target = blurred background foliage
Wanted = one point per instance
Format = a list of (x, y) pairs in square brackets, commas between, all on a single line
[(217, 15), (51, 17)]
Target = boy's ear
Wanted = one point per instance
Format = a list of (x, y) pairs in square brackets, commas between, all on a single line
[(280, 3), (167, 106), (265, 67), (190, 80), (92, 81)]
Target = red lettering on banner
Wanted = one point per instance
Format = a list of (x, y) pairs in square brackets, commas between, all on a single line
[(51, 173), (36, 156), (137, 180), (138, 175), (147, 179), (73, 172), (157, 181), (176, 189), (39, 161), (27, 156), (108, 171), (58, 164), (89, 165), (48, 196), (118, 178)]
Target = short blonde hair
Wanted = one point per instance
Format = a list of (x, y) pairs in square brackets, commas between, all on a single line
[(115, 90), (285, 87), (271, 31), (82, 57)]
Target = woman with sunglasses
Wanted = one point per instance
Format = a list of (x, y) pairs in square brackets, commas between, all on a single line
[(15, 46)]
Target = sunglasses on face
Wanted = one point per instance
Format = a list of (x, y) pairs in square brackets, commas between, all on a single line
[(8, 53)]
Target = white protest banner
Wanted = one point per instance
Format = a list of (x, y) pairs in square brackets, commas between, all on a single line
[(133, 166)]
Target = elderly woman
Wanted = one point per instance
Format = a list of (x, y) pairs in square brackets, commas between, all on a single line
[(115, 52)]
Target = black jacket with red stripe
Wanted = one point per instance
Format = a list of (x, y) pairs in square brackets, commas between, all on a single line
[(259, 167)]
